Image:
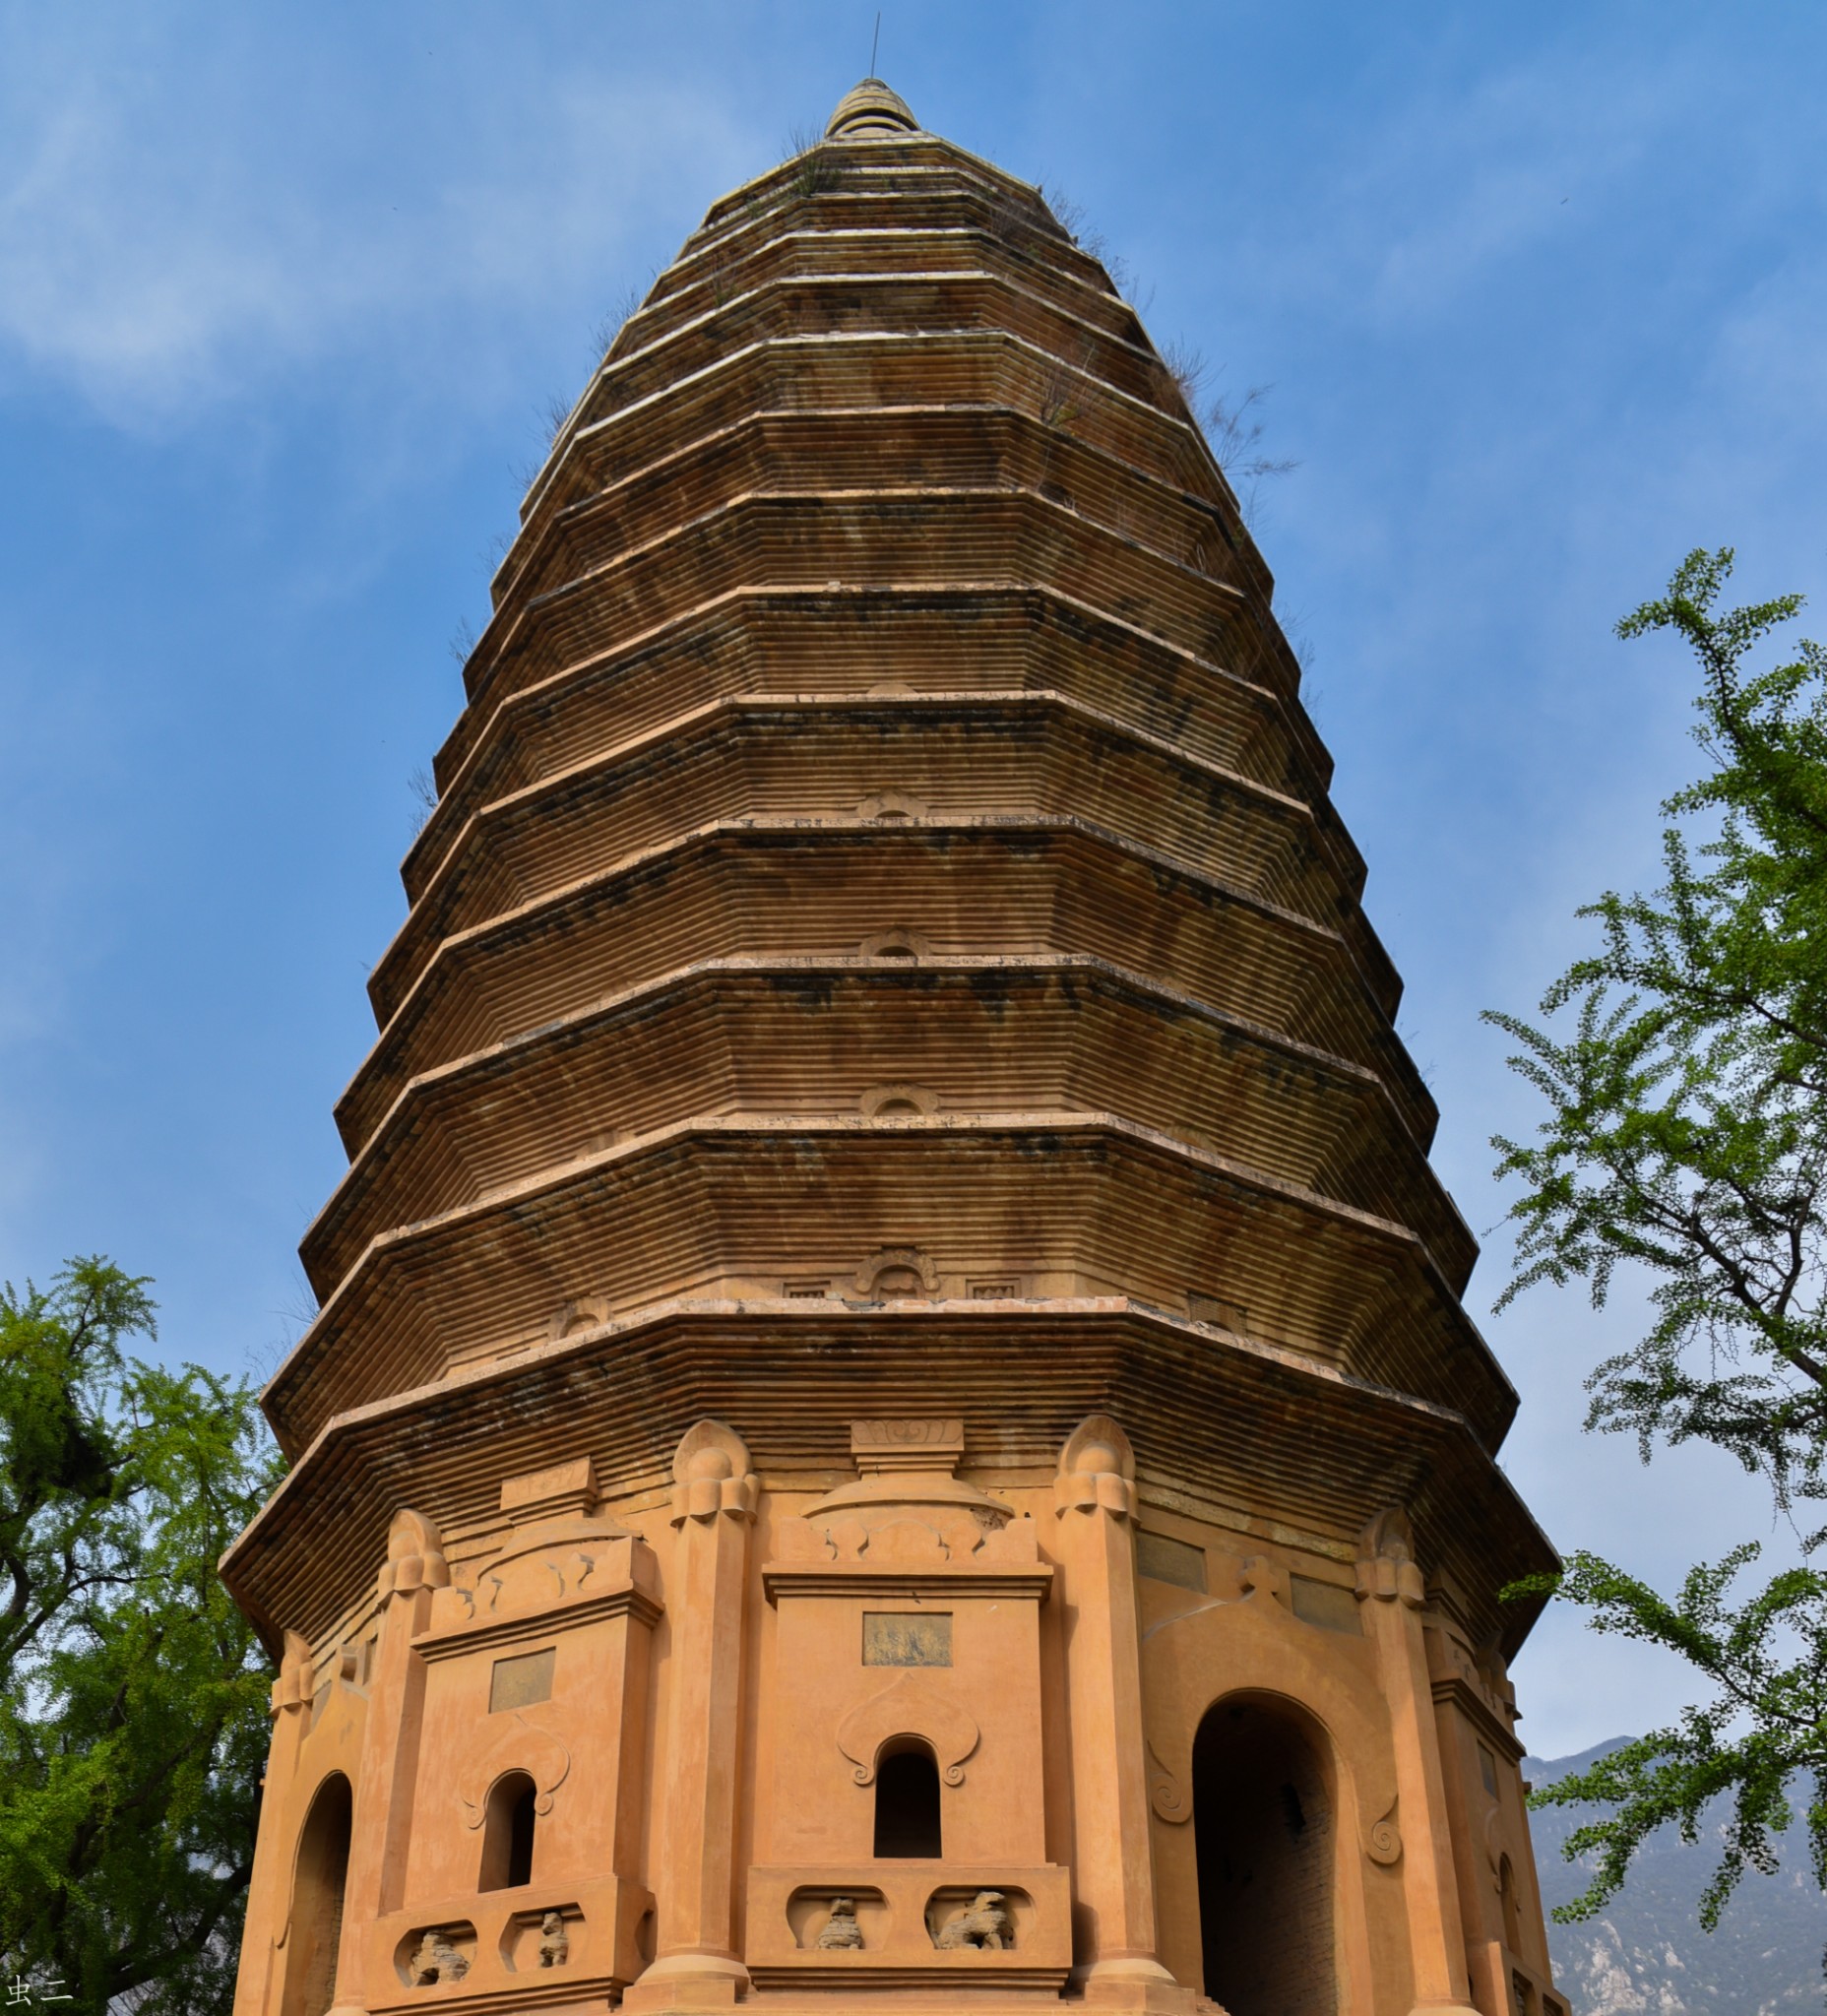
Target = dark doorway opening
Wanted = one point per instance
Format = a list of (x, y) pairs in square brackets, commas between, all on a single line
[(1262, 1832), (319, 1879), (907, 1801), (507, 1834)]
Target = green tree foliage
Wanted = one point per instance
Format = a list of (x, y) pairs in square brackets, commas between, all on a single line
[(131, 1692), (1687, 1137)]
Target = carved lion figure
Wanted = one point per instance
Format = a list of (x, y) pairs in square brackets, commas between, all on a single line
[(437, 1960), (842, 1932), (982, 1923), (554, 1944)]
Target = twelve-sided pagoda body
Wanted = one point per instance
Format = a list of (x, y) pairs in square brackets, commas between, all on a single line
[(891, 1423)]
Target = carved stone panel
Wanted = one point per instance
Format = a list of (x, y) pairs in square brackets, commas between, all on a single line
[(906, 1638)]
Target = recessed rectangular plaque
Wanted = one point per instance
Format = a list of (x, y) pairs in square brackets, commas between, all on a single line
[(519, 1681), (906, 1638), (1324, 1604), (1163, 1560)]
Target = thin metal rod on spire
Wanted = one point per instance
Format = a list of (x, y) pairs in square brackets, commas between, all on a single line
[(876, 41)]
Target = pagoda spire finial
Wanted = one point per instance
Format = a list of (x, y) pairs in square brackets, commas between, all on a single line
[(870, 112)]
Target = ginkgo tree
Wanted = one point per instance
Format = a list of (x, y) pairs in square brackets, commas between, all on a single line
[(1684, 1070), (133, 1722)]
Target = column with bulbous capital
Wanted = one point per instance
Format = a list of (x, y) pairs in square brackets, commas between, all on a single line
[(1113, 1874), (388, 1768), (715, 1492), (268, 1896), (1392, 1592)]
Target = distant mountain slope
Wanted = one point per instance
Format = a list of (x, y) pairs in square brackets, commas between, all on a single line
[(1645, 1952)]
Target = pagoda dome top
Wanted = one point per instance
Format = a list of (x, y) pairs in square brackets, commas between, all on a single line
[(870, 110)]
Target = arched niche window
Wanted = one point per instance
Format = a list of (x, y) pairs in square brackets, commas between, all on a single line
[(1512, 1910), (1264, 1838), (907, 1800), (319, 1877), (899, 1284), (507, 1834)]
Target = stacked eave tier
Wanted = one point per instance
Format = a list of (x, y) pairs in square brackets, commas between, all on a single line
[(1254, 1436), (884, 823)]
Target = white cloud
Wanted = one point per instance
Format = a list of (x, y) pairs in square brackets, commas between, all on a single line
[(165, 243)]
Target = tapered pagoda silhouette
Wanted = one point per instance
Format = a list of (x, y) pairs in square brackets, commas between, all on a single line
[(891, 1418)]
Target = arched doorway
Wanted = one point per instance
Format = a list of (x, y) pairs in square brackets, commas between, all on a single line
[(315, 1928), (1263, 1829)]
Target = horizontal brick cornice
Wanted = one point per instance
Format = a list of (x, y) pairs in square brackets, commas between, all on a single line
[(830, 757), (1034, 886), (757, 1038), (953, 641), (1039, 1197)]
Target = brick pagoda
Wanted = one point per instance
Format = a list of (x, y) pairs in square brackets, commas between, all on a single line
[(891, 1422)]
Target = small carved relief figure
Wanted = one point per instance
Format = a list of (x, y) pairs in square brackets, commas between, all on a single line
[(555, 1945), (437, 1960), (982, 1923), (841, 1930)]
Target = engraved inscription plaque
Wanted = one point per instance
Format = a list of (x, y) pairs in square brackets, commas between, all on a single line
[(906, 1638)]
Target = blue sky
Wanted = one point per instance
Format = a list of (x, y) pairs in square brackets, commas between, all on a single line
[(283, 293)]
